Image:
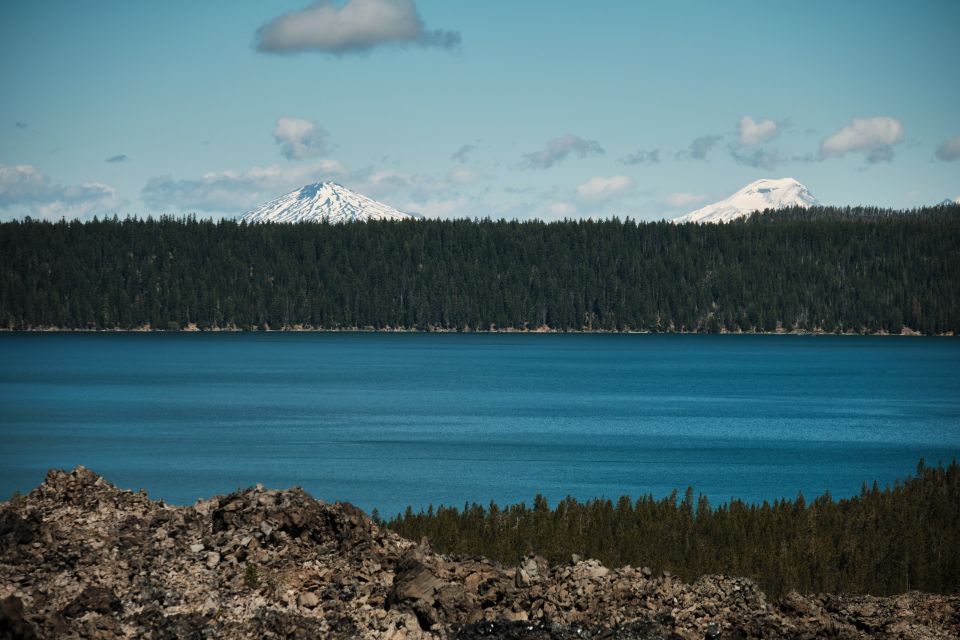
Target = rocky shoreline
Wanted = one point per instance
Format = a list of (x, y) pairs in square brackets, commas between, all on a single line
[(80, 558), (906, 331)]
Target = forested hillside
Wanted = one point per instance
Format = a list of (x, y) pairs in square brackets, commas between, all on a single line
[(862, 270), (882, 541)]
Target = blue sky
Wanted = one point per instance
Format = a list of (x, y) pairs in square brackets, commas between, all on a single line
[(493, 108)]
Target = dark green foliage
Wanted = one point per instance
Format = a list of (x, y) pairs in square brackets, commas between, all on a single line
[(879, 542), (860, 270), (251, 576)]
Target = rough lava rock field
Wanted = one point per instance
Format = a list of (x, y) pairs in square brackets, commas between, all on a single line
[(80, 558)]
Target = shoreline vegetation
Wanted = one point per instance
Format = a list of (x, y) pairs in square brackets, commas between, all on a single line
[(879, 542), (905, 331), (822, 270)]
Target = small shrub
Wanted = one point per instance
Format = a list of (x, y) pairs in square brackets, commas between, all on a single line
[(251, 576)]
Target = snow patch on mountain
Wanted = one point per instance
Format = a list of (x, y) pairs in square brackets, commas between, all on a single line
[(756, 196), (323, 201)]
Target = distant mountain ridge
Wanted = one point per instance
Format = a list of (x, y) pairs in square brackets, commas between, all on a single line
[(756, 196), (323, 201)]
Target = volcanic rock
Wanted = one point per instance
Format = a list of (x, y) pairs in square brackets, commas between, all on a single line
[(80, 558)]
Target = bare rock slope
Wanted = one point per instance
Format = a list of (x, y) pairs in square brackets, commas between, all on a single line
[(80, 558)]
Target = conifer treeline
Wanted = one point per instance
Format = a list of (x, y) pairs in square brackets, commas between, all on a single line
[(862, 270), (879, 542)]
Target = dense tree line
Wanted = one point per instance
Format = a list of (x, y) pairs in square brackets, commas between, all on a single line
[(879, 542), (860, 270)]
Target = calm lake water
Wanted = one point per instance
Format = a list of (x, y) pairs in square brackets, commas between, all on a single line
[(387, 420)]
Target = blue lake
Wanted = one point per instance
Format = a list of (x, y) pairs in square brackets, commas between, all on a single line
[(390, 420)]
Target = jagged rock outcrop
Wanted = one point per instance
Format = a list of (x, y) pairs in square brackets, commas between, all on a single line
[(80, 558)]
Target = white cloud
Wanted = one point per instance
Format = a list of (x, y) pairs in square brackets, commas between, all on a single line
[(562, 209), (464, 175), (590, 198), (378, 183), (21, 183), (753, 133), (299, 138), (874, 137), (23, 187), (457, 207), (949, 150), (352, 27), (82, 200), (233, 192), (683, 199), (558, 149), (397, 185), (602, 189)]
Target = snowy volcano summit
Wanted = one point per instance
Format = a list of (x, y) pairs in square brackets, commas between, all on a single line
[(322, 201), (756, 196)]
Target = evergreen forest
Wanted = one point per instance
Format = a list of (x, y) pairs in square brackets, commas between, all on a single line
[(858, 270), (881, 542)]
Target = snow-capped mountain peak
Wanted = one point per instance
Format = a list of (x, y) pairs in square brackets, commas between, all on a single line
[(756, 196), (322, 201)]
